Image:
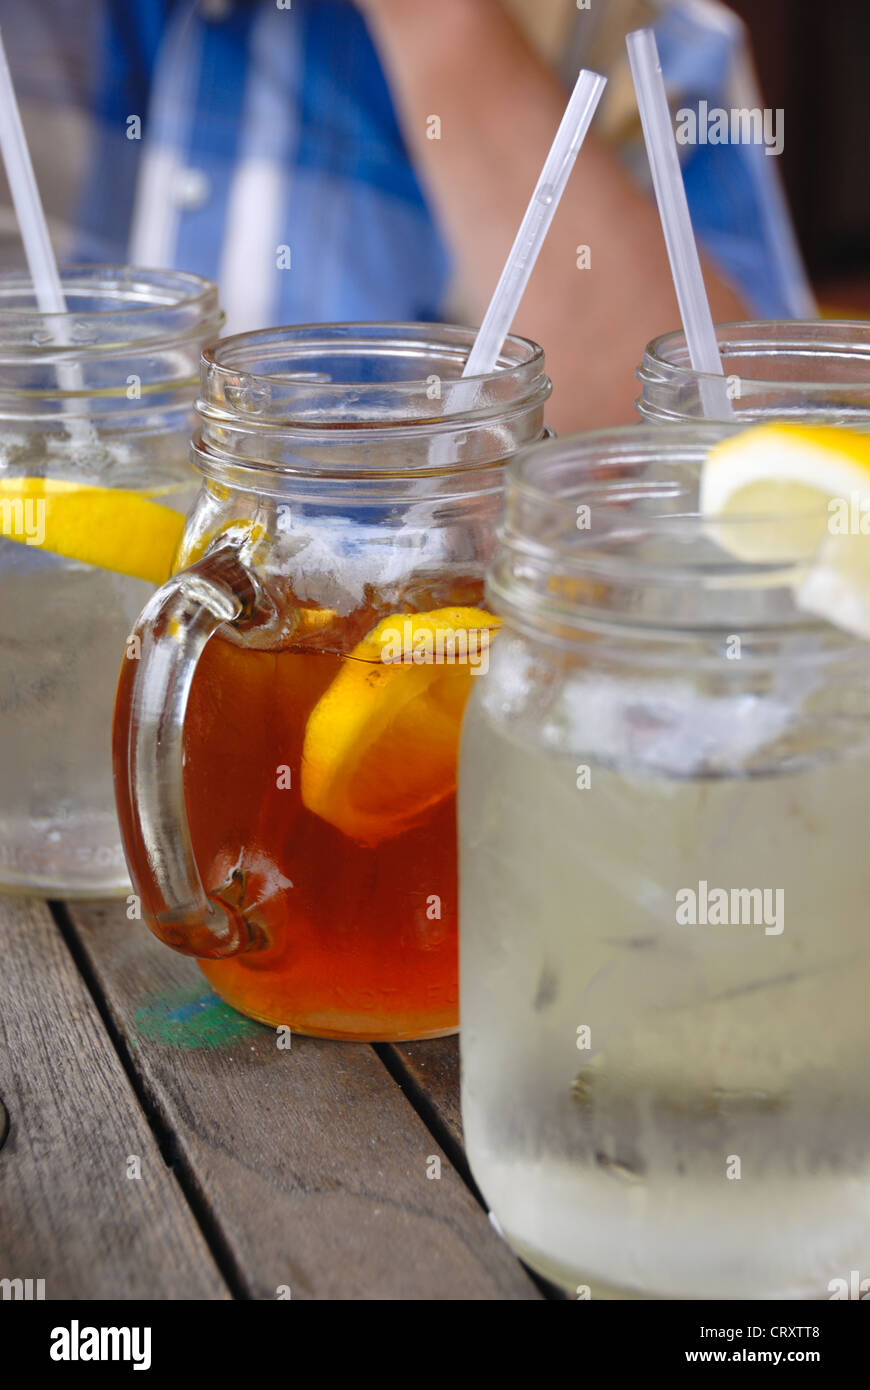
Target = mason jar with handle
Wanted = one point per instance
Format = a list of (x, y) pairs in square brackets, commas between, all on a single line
[(287, 719), (664, 954), (96, 408)]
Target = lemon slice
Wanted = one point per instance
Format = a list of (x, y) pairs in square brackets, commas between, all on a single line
[(110, 528), (380, 745), (799, 495)]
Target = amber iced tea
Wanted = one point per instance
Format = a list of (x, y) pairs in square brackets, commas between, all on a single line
[(285, 747), (320, 790)]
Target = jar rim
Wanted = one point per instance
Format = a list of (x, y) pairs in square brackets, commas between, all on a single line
[(780, 335), (311, 400), (157, 304), (641, 557)]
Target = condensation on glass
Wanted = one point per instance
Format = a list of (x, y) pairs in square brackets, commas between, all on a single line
[(101, 396), (659, 1100)]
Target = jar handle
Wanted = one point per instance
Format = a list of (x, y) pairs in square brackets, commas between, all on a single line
[(153, 689)]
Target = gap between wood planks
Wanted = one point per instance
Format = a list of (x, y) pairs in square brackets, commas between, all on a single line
[(399, 1060), (427, 1081), (165, 1139)]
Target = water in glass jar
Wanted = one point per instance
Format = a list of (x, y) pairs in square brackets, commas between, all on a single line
[(63, 625)]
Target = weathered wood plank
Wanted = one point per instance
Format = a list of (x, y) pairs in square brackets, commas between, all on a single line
[(432, 1076), (69, 1214), (312, 1162)]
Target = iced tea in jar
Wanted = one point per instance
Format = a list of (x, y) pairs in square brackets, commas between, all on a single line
[(289, 704)]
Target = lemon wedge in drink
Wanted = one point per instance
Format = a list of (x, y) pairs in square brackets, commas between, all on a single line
[(798, 494), (381, 743), (109, 528)]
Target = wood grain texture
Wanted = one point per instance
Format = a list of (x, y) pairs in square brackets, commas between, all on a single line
[(69, 1214), (432, 1072), (311, 1162)]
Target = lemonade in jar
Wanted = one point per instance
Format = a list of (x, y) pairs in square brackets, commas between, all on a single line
[(662, 801)]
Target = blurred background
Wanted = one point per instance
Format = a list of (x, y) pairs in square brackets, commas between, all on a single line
[(383, 152), (812, 61)]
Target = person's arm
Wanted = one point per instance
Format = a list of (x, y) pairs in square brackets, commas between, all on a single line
[(466, 62)]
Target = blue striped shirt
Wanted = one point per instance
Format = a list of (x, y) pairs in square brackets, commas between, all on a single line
[(242, 141)]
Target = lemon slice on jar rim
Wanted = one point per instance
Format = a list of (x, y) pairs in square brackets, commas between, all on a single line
[(798, 494)]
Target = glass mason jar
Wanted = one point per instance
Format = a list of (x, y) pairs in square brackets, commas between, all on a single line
[(664, 957), (815, 371), (98, 398), (285, 748)]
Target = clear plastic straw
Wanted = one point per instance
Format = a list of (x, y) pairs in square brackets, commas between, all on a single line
[(536, 223), (661, 148), (47, 288), (25, 196)]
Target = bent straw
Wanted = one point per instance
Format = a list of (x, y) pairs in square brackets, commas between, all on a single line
[(661, 148), (530, 238)]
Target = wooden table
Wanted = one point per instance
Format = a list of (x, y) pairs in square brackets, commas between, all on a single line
[(162, 1146)]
